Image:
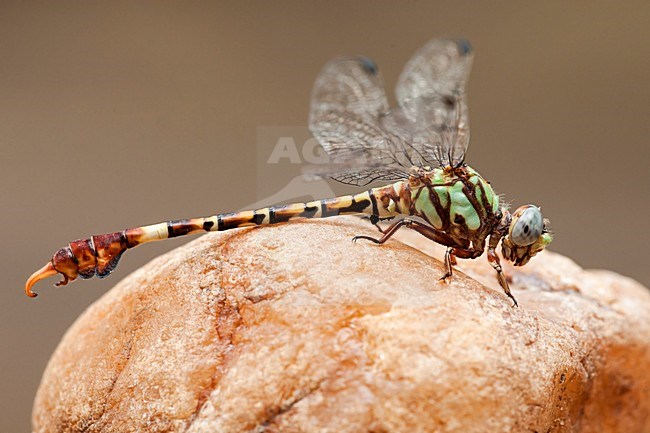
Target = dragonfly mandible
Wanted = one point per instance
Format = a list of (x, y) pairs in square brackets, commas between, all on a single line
[(418, 146)]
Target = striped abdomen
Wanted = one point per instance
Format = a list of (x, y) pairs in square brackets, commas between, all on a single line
[(99, 254)]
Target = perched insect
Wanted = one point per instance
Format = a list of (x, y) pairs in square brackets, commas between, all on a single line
[(419, 145)]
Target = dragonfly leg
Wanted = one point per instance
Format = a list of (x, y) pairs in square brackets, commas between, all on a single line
[(375, 219), (454, 249), (388, 233), (494, 261), (450, 262), (461, 251), (424, 229)]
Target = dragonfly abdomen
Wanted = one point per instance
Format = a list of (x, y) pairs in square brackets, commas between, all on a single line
[(98, 255)]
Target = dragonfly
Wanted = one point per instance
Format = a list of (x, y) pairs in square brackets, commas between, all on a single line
[(416, 148)]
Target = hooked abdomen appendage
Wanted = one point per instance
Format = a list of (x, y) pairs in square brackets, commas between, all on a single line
[(85, 258)]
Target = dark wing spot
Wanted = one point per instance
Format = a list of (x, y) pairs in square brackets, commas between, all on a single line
[(368, 66), (449, 101), (464, 47)]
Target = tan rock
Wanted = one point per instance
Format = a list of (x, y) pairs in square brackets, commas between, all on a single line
[(294, 328)]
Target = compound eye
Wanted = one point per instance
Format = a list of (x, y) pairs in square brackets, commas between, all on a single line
[(528, 227)]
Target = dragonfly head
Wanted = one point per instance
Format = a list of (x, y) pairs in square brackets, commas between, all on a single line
[(528, 234)]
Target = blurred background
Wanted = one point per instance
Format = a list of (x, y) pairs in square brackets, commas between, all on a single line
[(118, 114)]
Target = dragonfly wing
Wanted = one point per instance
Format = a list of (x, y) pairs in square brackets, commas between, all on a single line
[(355, 173), (432, 101), (347, 101), (367, 176), (366, 141), (348, 108)]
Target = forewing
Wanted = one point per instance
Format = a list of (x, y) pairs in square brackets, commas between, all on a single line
[(354, 173), (432, 101), (367, 176), (347, 101)]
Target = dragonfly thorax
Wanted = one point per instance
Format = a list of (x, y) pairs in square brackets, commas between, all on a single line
[(456, 200)]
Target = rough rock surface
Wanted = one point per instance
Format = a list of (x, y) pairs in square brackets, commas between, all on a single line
[(293, 328)]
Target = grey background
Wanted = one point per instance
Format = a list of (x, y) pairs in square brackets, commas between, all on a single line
[(118, 114)]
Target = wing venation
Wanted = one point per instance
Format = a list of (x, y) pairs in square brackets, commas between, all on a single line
[(351, 118)]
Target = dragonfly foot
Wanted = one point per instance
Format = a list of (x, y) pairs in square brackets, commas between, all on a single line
[(515, 304), (368, 238)]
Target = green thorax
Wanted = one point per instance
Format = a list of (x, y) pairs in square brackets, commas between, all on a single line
[(456, 201)]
